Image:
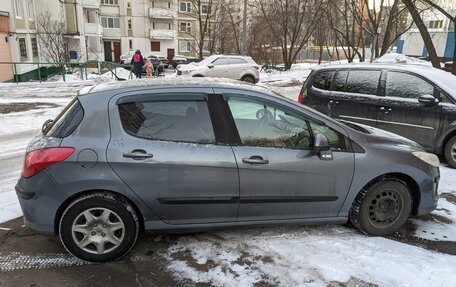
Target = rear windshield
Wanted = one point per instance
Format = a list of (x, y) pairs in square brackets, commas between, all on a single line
[(67, 121)]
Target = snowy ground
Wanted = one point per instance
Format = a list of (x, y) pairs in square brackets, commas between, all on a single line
[(285, 256)]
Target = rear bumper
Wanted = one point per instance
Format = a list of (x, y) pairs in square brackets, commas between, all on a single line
[(40, 197)]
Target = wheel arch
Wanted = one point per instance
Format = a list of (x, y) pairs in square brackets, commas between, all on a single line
[(248, 75), (408, 180), (446, 139), (75, 196)]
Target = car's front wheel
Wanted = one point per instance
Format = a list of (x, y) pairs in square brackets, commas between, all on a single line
[(382, 208), (450, 152), (99, 227)]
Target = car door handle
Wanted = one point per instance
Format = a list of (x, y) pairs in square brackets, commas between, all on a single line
[(385, 110), (331, 102), (138, 154), (255, 159)]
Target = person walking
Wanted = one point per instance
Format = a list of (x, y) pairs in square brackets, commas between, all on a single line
[(149, 68), (138, 62)]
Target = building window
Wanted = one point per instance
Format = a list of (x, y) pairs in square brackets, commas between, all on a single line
[(169, 26), (205, 9), (34, 48), (23, 49), (185, 7), (109, 2), (185, 46), (435, 24), (110, 22), (169, 5), (155, 46), (206, 46), (130, 27), (185, 27), (18, 8), (31, 11), (129, 4), (153, 25), (130, 44), (91, 17)]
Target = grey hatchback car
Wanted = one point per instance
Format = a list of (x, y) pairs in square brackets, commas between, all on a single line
[(169, 155)]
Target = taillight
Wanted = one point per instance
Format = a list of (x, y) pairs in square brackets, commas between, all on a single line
[(300, 98), (256, 67), (40, 159)]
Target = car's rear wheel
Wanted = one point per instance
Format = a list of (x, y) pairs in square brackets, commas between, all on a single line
[(99, 227), (248, 79), (450, 152), (382, 208)]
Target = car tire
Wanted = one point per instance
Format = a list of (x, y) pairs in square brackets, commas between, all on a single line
[(99, 227), (198, 76), (450, 152), (248, 79), (382, 208)]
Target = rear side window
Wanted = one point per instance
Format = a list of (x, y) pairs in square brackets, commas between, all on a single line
[(67, 121), (322, 80), (363, 82), (236, 61), (182, 121)]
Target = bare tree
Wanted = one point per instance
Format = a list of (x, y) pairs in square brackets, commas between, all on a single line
[(291, 23), (205, 13), (452, 18), (50, 34), (414, 12), (231, 27)]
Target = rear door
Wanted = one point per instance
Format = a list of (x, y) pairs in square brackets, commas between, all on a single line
[(163, 146), (354, 95), (400, 111), (280, 175)]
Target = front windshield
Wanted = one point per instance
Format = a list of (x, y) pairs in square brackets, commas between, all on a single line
[(206, 61)]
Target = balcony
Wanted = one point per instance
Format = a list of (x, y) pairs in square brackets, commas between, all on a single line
[(162, 13), (93, 29), (162, 34), (91, 4)]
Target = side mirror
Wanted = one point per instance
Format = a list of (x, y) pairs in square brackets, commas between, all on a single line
[(428, 100), (210, 66), (46, 124), (322, 148)]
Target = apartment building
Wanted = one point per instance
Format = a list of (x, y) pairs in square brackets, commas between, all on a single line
[(441, 30)]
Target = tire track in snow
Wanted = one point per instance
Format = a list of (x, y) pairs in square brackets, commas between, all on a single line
[(16, 260)]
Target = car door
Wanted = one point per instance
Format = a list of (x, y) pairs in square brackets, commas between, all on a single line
[(281, 177), (236, 69), (354, 95), (163, 146), (219, 69), (401, 112)]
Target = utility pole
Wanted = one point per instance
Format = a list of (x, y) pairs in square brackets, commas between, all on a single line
[(244, 31)]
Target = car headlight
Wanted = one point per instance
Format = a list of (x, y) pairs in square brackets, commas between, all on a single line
[(186, 72), (428, 158)]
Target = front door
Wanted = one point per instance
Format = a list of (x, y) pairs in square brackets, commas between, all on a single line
[(280, 175), (170, 55), (164, 148), (354, 96), (220, 68), (107, 51), (117, 52), (400, 111)]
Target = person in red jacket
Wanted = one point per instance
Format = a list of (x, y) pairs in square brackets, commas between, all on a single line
[(138, 62)]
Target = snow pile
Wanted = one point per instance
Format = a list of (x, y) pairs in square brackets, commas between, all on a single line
[(306, 256)]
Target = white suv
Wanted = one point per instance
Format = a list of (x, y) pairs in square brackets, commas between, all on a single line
[(223, 66)]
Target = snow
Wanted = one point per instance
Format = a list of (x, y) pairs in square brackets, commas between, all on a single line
[(280, 256)]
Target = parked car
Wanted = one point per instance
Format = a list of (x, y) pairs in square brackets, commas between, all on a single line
[(176, 155), (415, 101), (125, 58), (232, 67), (165, 61), (178, 60)]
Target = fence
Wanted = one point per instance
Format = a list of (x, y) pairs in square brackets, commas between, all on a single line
[(41, 71)]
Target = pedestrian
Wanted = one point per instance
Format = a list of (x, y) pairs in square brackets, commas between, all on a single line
[(138, 62), (149, 68)]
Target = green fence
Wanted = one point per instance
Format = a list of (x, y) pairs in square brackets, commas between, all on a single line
[(42, 71)]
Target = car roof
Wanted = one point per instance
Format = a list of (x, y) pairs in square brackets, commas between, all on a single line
[(174, 82), (443, 79)]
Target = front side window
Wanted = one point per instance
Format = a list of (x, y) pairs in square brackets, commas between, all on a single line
[(181, 121), (363, 82), (336, 140), (405, 85), (323, 80), (221, 62), (262, 124)]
